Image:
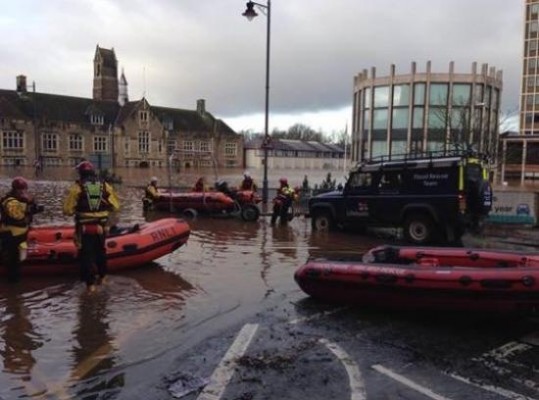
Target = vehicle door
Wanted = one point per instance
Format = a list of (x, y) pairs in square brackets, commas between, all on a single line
[(358, 195), (388, 198)]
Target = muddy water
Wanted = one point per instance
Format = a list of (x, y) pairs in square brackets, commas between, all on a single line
[(56, 341)]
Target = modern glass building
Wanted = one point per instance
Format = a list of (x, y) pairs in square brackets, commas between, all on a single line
[(521, 150), (425, 111)]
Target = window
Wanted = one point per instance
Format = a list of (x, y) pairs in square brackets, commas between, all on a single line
[(361, 179), (380, 119), (126, 146), (101, 144), (96, 119), (49, 142), (144, 142), (231, 149), (366, 120), (381, 96), (75, 142), (419, 94), (367, 98), (479, 93), (400, 118), (400, 95), (171, 146), (437, 118), (438, 94), (12, 141), (205, 146), (461, 94), (188, 145), (418, 118), (143, 115)]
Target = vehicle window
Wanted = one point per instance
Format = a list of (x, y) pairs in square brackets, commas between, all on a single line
[(360, 180), (390, 180)]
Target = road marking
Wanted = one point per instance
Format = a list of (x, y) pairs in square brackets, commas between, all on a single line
[(224, 371), (357, 386), (494, 389), (316, 316), (407, 382)]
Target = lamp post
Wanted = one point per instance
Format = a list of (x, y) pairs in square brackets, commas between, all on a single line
[(250, 13)]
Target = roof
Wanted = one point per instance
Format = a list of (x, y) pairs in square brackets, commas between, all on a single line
[(53, 107), (294, 145)]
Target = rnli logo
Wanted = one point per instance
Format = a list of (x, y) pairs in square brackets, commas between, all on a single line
[(163, 234)]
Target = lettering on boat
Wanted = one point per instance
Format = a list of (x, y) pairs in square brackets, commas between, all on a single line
[(370, 269), (163, 234)]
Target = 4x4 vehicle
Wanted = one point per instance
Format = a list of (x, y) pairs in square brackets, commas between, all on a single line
[(432, 197)]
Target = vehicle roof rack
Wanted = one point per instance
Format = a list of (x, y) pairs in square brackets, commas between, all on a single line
[(410, 158)]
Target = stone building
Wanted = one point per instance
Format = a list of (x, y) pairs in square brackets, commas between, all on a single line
[(108, 129)]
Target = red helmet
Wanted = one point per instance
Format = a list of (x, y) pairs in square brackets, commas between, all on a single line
[(85, 167), (283, 181), (19, 183)]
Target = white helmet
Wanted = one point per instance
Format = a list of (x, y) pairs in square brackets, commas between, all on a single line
[(247, 174), (154, 179)]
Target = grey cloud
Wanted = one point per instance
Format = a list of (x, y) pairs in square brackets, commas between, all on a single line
[(179, 51)]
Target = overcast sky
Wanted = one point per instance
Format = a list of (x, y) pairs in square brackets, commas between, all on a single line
[(177, 51)]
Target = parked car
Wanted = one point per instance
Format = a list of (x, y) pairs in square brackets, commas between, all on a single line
[(432, 197)]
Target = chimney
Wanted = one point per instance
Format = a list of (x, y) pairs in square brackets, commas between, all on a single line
[(201, 107), (21, 84)]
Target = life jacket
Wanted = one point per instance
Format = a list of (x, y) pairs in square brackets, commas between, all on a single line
[(92, 197), (6, 219), (148, 193)]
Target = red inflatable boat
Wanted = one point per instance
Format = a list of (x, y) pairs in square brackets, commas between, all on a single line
[(240, 202), (52, 251), (429, 278)]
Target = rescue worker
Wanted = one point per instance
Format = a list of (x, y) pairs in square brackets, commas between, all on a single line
[(91, 201), (282, 202), (199, 185), (17, 209), (248, 182), (150, 194)]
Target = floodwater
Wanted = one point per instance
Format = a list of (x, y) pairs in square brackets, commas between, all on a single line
[(57, 341)]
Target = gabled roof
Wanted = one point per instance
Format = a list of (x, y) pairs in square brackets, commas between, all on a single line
[(53, 107)]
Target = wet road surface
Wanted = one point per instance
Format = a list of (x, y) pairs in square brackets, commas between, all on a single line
[(223, 318)]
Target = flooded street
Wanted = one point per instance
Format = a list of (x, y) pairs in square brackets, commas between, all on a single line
[(155, 332)]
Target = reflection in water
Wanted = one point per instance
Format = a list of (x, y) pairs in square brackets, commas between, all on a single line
[(228, 270), (19, 337), (93, 352)]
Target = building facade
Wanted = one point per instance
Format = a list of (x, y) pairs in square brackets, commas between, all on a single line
[(425, 111), (108, 129), (286, 154), (521, 151)]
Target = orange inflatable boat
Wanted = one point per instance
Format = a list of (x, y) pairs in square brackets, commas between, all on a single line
[(52, 251)]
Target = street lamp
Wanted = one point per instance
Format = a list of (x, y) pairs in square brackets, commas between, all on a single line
[(250, 13)]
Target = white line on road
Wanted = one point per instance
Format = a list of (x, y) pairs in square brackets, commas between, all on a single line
[(357, 386), (409, 383), (224, 371), (502, 392)]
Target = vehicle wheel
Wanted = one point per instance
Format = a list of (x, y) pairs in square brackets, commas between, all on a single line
[(419, 229), (190, 213), (250, 212), (322, 221)]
